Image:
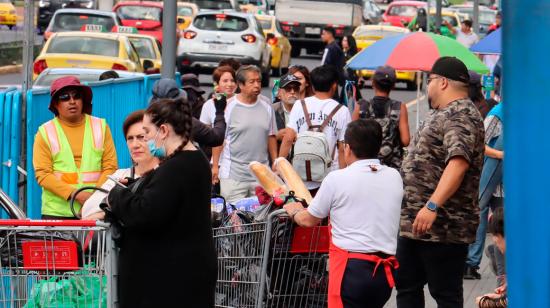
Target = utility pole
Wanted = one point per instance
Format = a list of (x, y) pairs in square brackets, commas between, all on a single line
[(169, 15), (437, 15), (476, 16)]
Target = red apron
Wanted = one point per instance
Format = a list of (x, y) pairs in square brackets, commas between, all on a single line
[(338, 259)]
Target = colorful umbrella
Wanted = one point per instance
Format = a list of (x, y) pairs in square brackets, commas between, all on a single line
[(416, 51), (489, 45)]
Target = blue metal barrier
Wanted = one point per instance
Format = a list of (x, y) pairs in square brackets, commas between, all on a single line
[(10, 139)]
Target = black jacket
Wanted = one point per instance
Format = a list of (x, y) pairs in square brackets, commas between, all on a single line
[(210, 136), (167, 255)]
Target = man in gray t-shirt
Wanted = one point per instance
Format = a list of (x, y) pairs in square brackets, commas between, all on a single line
[(250, 136)]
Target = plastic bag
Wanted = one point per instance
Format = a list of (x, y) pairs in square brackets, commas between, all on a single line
[(82, 289)]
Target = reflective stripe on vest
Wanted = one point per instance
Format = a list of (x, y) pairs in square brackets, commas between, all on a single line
[(64, 166)]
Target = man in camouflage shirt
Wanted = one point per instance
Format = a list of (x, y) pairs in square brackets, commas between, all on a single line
[(441, 174)]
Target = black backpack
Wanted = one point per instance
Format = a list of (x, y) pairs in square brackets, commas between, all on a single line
[(391, 151)]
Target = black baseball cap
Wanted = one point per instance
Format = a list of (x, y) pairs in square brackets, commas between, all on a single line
[(288, 79), (475, 78), (451, 68), (384, 75)]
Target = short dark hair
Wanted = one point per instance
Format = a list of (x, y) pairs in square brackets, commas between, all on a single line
[(383, 86), (496, 224), (468, 23), (330, 30), (364, 137), (108, 75), (323, 77), (131, 119)]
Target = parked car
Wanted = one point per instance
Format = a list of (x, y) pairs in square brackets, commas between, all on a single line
[(487, 16), (281, 49), (46, 9), (400, 13), (107, 51), (146, 16), (147, 47), (75, 19), (216, 5), (372, 14), (8, 15), (217, 35), (47, 76)]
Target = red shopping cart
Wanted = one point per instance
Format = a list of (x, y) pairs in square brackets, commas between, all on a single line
[(56, 263)]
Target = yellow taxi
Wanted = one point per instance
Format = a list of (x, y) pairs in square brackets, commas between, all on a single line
[(366, 35), (280, 45), (186, 13), (8, 15), (147, 47), (108, 51)]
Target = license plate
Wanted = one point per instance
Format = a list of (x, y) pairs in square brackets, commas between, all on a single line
[(217, 47), (310, 30)]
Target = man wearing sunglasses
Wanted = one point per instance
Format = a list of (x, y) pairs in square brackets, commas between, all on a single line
[(289, 92), (72, 150)]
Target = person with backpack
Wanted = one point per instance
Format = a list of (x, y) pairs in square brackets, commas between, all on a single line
[(390, 114), (318, 137)]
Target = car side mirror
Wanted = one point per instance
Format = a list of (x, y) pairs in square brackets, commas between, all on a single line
[(180, 20), (147, 65)]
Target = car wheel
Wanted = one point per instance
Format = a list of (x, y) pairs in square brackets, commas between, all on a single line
[(411, 85), (265, 78), (11, 27), (284, 70), (295, 52), (276, 72)]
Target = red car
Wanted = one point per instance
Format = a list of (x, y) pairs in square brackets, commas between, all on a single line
[(146, 16), (401, 13)]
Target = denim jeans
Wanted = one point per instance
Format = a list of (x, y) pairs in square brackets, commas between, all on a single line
[(475, 251)]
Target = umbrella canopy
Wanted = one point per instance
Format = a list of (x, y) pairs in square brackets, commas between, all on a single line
[(416, 51), (489, 45)]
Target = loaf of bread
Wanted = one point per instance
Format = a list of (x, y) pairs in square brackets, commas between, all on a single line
[(292, 179), (267, 179)]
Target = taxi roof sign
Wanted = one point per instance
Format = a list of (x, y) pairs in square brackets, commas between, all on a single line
[(93, 28), (122, 29)]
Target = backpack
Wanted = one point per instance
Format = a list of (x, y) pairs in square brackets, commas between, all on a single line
[(391, 150), (312, 153)]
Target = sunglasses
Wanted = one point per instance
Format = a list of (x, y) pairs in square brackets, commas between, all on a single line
[(64, 97), (292, 88)]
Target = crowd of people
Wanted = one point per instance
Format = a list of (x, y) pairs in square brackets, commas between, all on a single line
[(404, 212)]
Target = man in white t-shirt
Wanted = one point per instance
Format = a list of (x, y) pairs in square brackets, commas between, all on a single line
[(465, 35), (364, 205), (319, 106), (250, 136)]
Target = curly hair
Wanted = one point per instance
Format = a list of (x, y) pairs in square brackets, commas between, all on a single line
[(177, 113)]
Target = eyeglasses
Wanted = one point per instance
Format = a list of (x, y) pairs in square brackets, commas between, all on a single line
[(292, 88), (433, 78), (64, 97)]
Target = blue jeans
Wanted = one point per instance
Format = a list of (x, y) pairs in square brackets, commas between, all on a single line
[(475, 251)]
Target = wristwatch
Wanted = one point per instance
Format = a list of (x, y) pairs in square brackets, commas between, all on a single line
[(432, 206)]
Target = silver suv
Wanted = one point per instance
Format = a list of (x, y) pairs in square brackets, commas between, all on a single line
[(218, 35)]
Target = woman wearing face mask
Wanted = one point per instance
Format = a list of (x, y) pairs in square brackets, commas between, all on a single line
[(167, 253), (142, 159)]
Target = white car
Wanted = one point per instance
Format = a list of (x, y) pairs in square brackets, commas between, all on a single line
[(218, 35)]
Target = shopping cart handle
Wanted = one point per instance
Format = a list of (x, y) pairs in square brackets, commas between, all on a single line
[(51, 223)]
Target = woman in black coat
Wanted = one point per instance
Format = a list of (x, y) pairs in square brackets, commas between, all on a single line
[(167, 255)]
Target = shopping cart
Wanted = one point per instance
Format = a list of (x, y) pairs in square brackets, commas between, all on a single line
[(56, 264), (272, 264)]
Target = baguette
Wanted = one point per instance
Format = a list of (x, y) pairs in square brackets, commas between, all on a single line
[(267, 179), (292, 179)]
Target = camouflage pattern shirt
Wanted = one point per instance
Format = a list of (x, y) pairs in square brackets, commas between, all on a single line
[(456, 130)]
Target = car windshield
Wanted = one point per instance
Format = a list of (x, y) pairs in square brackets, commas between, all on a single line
[(485, 17), (266, 24), (136, 12), (185, 11), (75, 21), (84, 45), (213, 5), (257, 3), (144, 47), (376, 34), (220, 22), (403, 10)]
